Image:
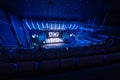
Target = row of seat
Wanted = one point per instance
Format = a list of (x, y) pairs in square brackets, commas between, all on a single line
[(46, 66), (30, 56), (38, 56)]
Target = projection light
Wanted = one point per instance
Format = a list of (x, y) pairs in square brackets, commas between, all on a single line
[(43, 42), (71, 35), (28, 25), (33, 25), (38, 26), (34, 36)]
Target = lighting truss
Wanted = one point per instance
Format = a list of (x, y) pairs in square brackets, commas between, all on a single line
[(56, 25)]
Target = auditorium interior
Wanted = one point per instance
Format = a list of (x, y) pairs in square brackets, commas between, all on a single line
[(59, 39)]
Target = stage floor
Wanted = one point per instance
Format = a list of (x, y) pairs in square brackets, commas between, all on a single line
[(63, 45), (77, 43)]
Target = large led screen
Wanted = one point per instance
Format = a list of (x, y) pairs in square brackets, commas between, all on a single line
[(53, 34)]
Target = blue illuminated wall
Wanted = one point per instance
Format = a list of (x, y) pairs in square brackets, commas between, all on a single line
[(19, 29), (6, 35), (12, 31)]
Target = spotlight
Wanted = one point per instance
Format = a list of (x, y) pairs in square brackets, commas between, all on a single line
[(70, 35), (54, 34), (43, 42), (33, 36)]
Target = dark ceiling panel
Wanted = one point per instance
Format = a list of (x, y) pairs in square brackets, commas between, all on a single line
[(72, 9)]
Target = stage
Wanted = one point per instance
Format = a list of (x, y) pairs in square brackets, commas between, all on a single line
[(77, 43)]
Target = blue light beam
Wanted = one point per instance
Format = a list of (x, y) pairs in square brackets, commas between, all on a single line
[(73, 26), (70, 26), (38, 26), (63, 26), (33, 25), (47, 25), (51, 26), (28, 25), (55, 25), (76, 27), (43, 26), (59, 26)]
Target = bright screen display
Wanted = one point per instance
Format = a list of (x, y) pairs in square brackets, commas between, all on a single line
[(53, 34)]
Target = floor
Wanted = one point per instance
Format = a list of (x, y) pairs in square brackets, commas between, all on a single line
[(109, 72)]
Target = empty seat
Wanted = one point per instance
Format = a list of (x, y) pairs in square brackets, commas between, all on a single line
[(114, 57), (84, 61), (60, 55), (16, 58), (50, 55), (68, 63), (112, 49), (71, 54), (38, 66), (26, 67), (4, 58), (27, 57), (7, 68), (98, 59), (50, 65), (39, 56)]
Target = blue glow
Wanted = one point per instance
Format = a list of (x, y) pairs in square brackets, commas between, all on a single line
[(70, 26), (94, 39), (16, 67), (38, 26), (33, 36), (104, 36), (59, 26), (37, 64), (63, 26), (88, 29), (76, 27), (73, 26), (70, 35), (51, 26), (47, 25), (87, 41), (55, 25), (28, 25), (105, 57), (42, 26), (33, 25)]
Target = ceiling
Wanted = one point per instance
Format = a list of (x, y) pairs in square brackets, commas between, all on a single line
[(69, 9)]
